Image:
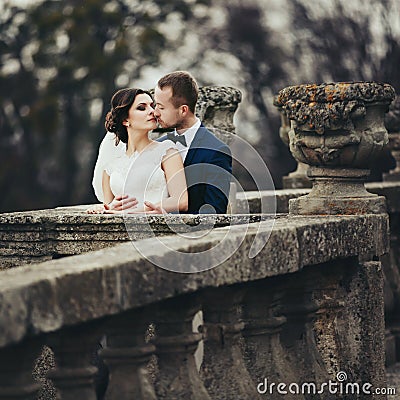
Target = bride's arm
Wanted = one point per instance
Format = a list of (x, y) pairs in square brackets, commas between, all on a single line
[(176, 182), (107, 196), (107, 193)]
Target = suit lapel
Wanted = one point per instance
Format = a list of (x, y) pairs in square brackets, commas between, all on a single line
[(195, 145)]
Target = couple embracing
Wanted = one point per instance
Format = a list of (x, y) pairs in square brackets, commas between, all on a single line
[(187, 170)]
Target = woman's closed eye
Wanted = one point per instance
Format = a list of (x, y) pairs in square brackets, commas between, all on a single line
[(141, 107)]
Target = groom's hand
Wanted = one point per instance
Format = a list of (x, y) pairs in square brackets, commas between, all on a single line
[(153, 208), (122, 202)]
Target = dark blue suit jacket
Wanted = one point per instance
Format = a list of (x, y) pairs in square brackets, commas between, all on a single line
[(208, 170)]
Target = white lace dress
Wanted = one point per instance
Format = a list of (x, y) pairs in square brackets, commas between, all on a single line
[(140, 175)]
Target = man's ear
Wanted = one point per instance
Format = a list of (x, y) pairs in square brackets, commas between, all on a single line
[(184, 110)]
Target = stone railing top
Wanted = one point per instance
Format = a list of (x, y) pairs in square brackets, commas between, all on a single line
[(392, 118), (76, 215), (252, 199), (331, 106), (46, 297)]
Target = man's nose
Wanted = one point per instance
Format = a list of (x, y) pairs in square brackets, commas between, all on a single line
[(156, 113)]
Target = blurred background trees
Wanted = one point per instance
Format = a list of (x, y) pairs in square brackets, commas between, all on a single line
[(62, 60)]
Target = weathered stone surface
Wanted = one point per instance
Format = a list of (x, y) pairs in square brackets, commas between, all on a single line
[(263, 350), (176, 344), (365, 306), (332, 106), (33, 236), (297, 179), (389, 190), (74, 374), (392, 118), (252, 199), (127, 354), (392, 123), (223, 369), (338, 129), (285, 122), (217, 105)]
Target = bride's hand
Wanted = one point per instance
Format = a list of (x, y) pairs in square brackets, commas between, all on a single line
[(96, 209), (153, 208), (122, 202)]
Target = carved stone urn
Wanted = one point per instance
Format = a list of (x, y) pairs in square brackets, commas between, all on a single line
[(337, 129), (298, 178), (392, 122)]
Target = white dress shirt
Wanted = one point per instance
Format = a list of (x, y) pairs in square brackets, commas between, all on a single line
[(189, 134)]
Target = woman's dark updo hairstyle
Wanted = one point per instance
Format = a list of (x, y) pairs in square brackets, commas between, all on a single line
[(121, 102)]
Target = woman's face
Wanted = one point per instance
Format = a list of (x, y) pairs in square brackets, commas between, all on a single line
[(141, 114)]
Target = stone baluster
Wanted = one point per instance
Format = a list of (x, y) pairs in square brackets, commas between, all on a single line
[(338, 129), (298, 336), (298, 178), (16, 381), (392, 122), (74, 375), (361, 326), (127, 355), (176, 344), (223, 370), (328, 295), (264, 355)]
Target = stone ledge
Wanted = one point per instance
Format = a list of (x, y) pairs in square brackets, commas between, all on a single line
[(48, 296), (68, 231), (390, 190)]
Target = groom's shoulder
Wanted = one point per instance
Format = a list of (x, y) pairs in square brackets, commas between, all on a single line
[(212, 141)]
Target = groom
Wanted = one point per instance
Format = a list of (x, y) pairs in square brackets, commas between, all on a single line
[(207, 160)]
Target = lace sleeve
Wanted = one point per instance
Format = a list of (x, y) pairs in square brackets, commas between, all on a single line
[(107, 154)]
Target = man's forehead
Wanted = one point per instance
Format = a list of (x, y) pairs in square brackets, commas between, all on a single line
[(164, 93)]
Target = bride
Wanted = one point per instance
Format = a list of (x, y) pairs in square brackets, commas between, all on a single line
[(144, 175)]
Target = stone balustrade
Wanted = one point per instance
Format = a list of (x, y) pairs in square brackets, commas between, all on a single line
[(307, 306)]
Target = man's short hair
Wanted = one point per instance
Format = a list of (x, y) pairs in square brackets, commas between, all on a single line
[(184, 88)]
